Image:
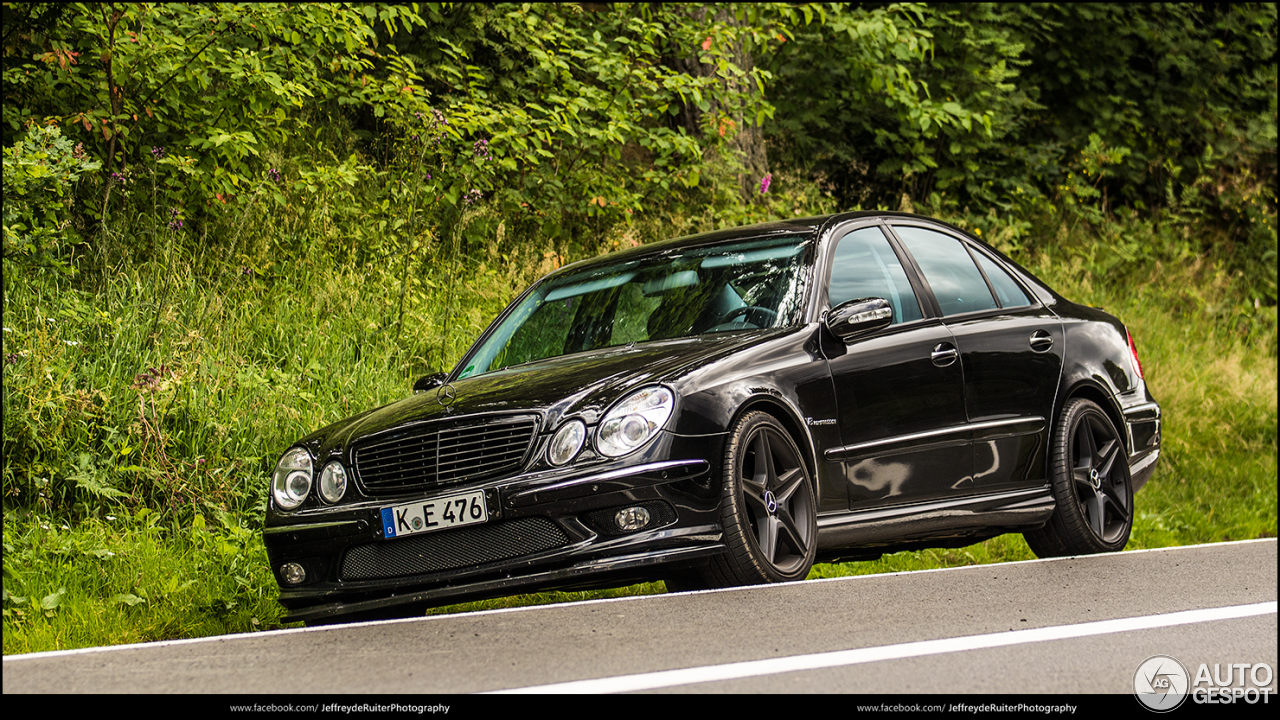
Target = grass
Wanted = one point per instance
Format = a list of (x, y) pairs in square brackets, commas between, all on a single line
[(128, 579), (145, 404)]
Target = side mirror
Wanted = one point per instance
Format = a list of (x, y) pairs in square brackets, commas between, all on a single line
[(429, 382), (856, 317)]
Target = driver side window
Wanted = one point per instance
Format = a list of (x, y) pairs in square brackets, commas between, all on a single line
[(866, 266)]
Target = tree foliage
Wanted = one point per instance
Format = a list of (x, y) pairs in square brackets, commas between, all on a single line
[(567, 120), (215, 83)]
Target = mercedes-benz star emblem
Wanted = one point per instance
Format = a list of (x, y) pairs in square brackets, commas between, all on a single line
[(770, 502), (446, 394)]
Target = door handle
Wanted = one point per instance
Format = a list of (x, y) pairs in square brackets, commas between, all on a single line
[(1041, 341), (944, 354)]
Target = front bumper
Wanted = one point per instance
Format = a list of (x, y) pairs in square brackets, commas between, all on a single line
[(546, 530)]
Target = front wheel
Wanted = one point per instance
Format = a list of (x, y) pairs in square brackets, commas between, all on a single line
[(1091, 486), (767, 508)]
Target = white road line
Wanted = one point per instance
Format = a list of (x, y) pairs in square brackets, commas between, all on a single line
[(754, 668), (601, 601)]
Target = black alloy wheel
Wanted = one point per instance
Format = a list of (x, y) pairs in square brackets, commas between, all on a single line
[(1091, 486), (768, 508)]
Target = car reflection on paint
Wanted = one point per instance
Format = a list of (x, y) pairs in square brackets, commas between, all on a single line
[(728, 409)]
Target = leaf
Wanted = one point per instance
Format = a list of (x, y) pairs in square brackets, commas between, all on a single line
[(127, 599), (51, 602)]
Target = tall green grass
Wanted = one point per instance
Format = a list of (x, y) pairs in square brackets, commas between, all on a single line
[(146, 400), (144, 408)]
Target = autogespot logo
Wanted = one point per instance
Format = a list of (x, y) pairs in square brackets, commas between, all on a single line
[(1161, 683)]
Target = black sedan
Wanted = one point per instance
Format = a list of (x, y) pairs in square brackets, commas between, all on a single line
[(727, 409)]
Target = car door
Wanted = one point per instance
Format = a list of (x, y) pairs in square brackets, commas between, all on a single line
[(1010, 352), (899, 390)]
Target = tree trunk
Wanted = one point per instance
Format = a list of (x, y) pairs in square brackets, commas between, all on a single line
[(750, 156)]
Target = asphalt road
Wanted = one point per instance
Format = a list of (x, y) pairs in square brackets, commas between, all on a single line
[(1073, 625)]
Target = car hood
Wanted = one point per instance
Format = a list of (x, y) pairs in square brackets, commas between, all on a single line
[(583, 384)]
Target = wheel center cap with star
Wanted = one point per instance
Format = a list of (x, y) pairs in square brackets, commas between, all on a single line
[(770, 502)]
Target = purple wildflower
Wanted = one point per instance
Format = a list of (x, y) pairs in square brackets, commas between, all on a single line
[(157, 152), (481, 148), (175, 225), (274, 174), (764, 183), (473, 195)]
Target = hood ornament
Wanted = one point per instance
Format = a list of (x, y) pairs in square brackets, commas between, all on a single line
[(446, 394)]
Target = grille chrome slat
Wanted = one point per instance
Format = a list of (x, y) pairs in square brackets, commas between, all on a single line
[(445, 453)]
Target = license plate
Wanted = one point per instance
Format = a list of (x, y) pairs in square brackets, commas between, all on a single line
[(439, 513)]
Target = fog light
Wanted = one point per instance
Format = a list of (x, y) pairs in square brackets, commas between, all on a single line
[(292, 573), (632, 518)]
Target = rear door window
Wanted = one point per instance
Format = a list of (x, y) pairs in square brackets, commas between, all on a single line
[(1008, 292), (949, 270)]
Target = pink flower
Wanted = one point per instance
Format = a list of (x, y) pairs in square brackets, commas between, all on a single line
[(764, 183)]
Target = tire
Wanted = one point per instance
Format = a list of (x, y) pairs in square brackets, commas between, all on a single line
[(1091, 486), (767, 509)]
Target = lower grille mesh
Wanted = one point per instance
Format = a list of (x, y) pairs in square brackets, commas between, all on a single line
[(452, 549)]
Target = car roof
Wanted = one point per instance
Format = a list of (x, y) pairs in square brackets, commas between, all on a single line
[(812, 226)]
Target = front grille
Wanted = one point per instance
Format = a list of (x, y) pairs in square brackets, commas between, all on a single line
[(442, 454), (452, 549)]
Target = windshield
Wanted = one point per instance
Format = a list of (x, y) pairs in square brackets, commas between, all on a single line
[(681, 293)]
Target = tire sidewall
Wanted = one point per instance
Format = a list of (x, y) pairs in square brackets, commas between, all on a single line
[(744, 550), (1074, 524)]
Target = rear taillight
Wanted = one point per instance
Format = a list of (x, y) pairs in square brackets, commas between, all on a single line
[(1133, 355)]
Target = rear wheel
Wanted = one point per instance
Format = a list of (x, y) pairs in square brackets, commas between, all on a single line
[(767, 508), (1091, 486)]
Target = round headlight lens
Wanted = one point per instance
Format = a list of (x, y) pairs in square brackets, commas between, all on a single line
[(567, 441), (333, 482), (291, 481), (634, 421)]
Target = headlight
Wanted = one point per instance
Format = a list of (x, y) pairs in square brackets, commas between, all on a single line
[(333, 482), (634, 421), (291, 481), (567, 441)]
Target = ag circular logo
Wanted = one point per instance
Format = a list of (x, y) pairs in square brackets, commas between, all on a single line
[(1161, 683)]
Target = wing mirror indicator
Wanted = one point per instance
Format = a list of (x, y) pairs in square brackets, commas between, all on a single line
[(856, 317)]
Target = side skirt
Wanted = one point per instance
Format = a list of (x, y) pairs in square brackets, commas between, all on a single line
[(987, 515)]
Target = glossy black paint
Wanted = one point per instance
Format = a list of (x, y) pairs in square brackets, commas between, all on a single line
[(931, 432)]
